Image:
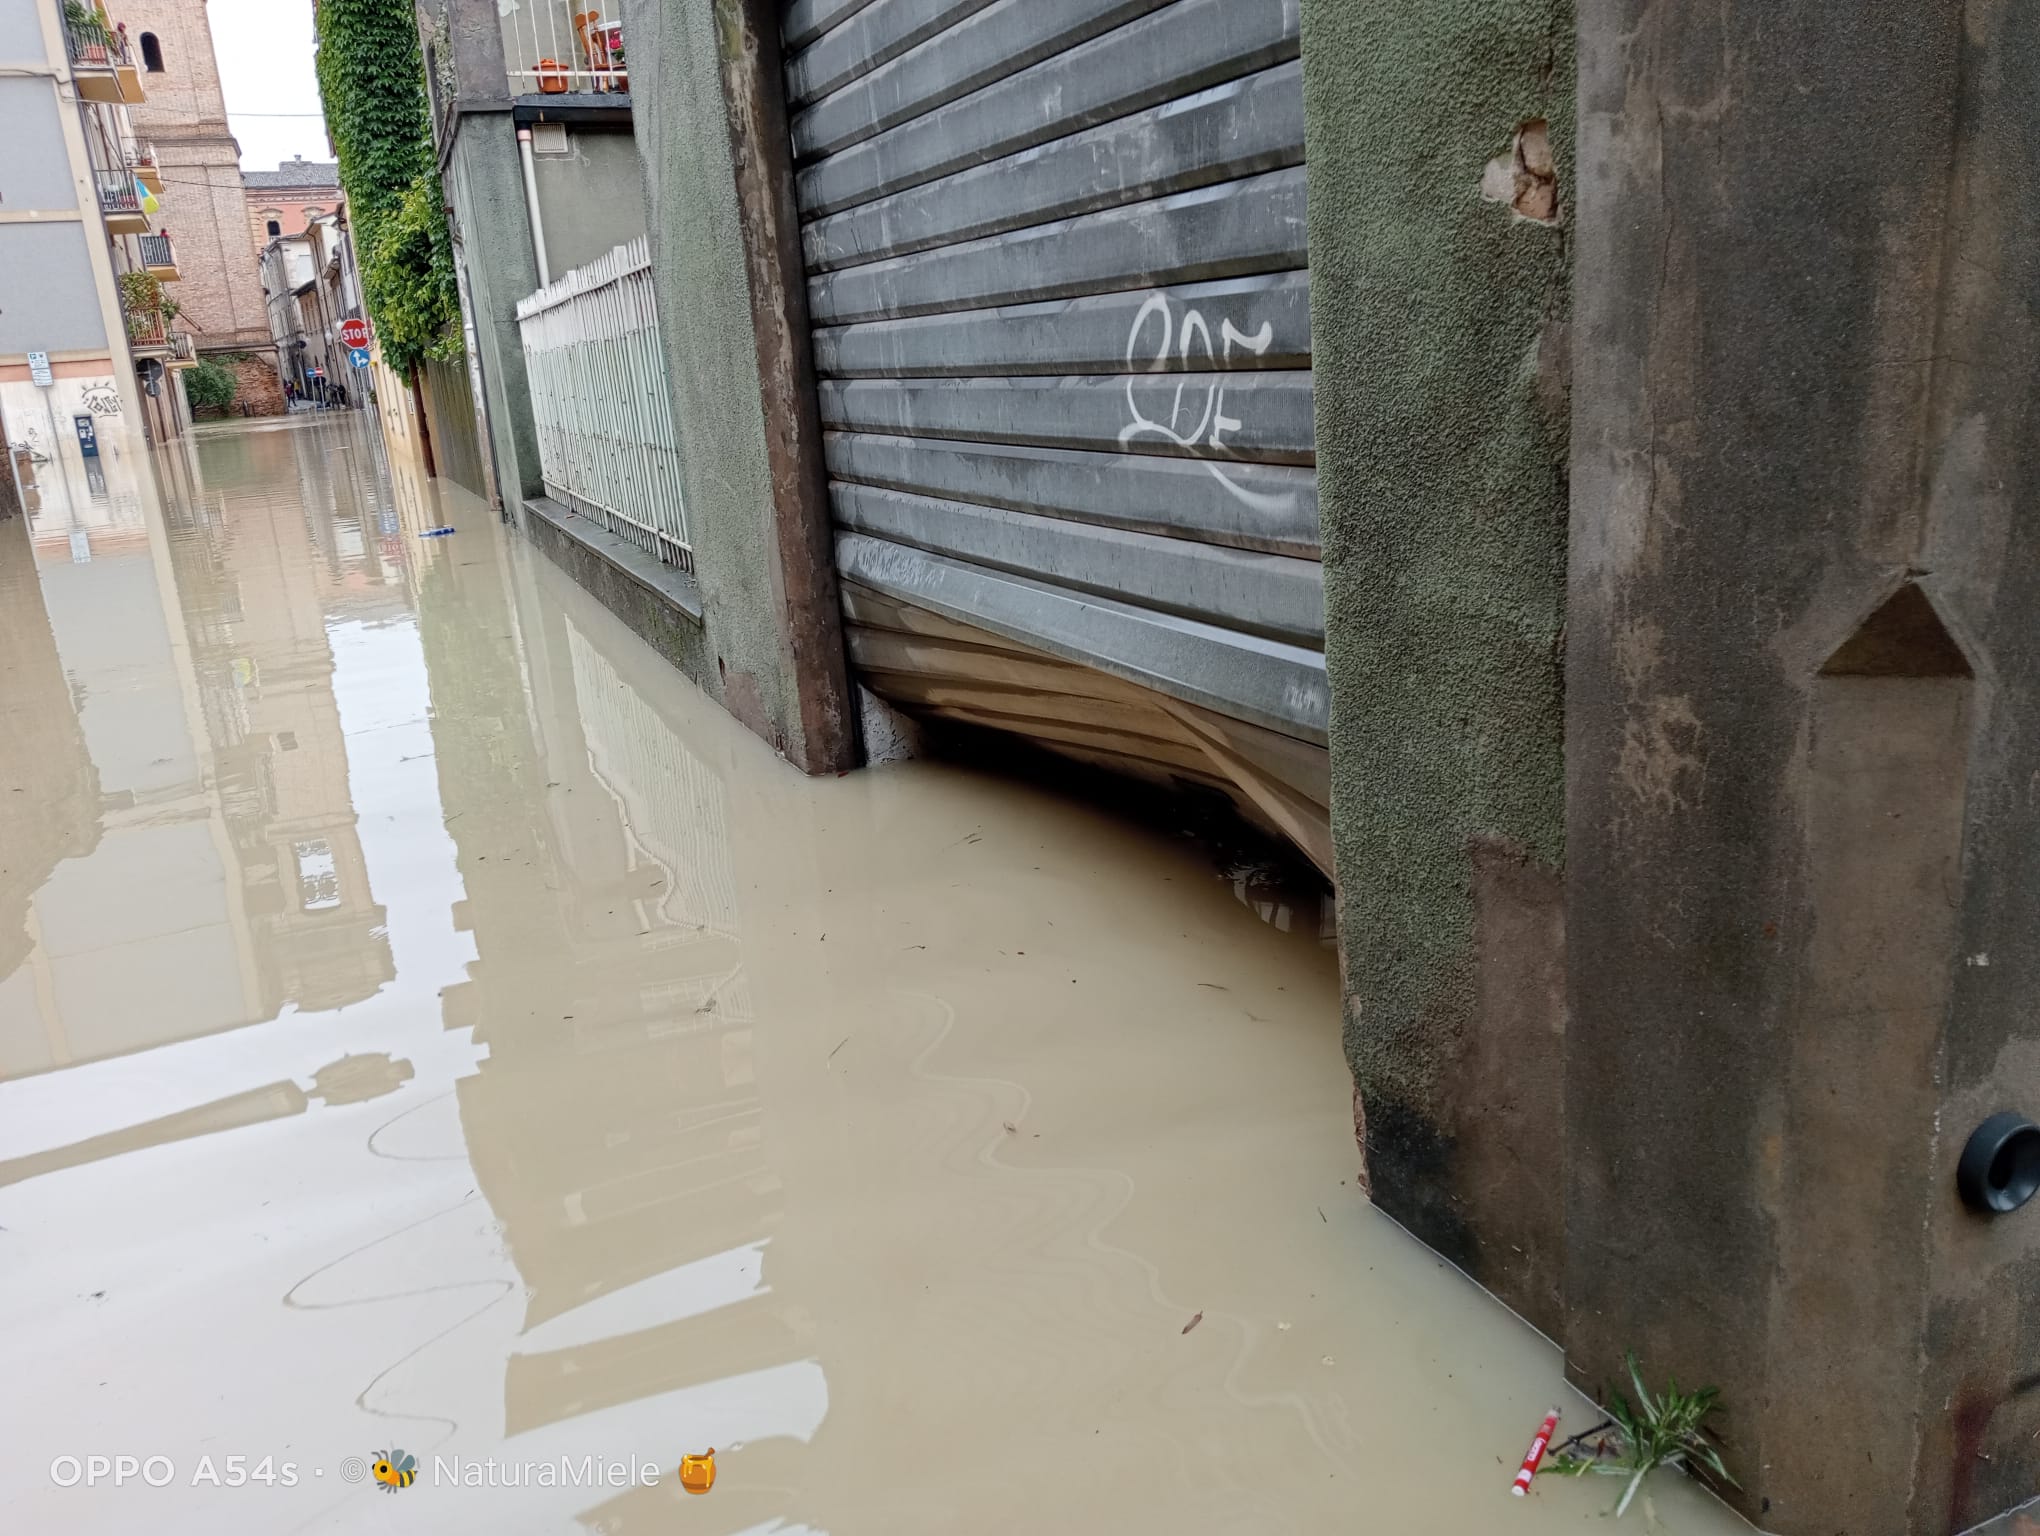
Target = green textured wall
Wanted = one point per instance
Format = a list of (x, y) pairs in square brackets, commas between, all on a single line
[(591, 198), (1440, 345), (705, 314), (784, 681), (485, 185)]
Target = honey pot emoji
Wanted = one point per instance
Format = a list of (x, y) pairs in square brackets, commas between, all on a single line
[(697, 1473)]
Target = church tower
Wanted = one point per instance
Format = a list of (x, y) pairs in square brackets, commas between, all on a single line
[(205, 210)]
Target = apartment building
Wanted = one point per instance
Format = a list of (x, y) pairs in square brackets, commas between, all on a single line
[(90, 338), (285, 200), (531, 110), (285, 268), (310, 284)]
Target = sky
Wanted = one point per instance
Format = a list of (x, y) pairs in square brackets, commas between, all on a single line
[(264, 48)]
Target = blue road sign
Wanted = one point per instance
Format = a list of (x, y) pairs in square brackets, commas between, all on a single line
[(358, 356)]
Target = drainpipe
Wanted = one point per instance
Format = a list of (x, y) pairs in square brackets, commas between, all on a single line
[(531, 202)]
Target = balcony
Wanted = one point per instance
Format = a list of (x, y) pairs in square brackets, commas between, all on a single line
[(120, 203), (141, 159), (159, 258), (552, 49), (147, 331), (149, 335), (102, 67)]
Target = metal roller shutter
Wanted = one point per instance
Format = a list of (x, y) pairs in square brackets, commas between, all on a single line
[(1061, 307)]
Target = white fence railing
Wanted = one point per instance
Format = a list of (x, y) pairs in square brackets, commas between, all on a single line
[(598, 398), (553, 46)]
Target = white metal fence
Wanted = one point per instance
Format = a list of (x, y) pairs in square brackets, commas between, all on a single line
[(598, 397), (551, 47)]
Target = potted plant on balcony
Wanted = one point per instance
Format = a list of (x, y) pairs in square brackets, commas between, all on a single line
[(149, 309), (88, 26)]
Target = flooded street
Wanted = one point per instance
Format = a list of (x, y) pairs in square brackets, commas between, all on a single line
[(427, 1022)]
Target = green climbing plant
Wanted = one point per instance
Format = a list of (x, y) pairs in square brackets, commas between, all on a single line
[(372, 85)]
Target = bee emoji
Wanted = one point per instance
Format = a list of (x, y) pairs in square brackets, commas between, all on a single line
[(395, 1469), (697, 1473)]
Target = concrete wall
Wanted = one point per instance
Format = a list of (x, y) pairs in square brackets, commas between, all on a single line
[(52, 302), (1438, 333), (50, 299), (592, 197), (710, 124), (483, 178), (1804, 731), (1979, 1436), (21, 36), (36, 170), (484, 183)]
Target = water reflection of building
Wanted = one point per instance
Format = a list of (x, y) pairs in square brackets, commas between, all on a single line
[(49, 794), (636, 1055), (142, 940), (256, 597), (227, 879)]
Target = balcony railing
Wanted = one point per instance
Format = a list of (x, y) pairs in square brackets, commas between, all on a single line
[(599, 399), (553, 47), (92, 44), (183, 353), (117, 192), (141, 159), (158, 255), (147, 329)]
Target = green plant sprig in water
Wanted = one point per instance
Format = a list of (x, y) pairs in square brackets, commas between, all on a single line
[(1664, 1431)]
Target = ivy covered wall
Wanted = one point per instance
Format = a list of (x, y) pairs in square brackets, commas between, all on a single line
[(372, 85)]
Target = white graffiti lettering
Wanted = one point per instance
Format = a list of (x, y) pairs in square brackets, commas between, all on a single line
[(1182, 345)]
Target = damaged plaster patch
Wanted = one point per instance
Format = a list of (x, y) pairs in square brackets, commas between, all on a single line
[(1526, 177), (889, 736), (1365, 1178), (1661, 765), (1639, 647)]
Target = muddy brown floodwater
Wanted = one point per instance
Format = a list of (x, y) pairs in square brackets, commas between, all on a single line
[(428, 1023)]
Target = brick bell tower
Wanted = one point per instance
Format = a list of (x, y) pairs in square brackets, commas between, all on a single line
[(204, 209)]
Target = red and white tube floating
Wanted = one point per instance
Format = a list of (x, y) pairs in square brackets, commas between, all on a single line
[(1535, 1454)]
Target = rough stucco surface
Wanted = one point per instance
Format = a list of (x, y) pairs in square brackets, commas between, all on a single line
[(1438, 335), (1804, 908), (482, 178), (647, 595), (1980, 1442), (706, 316), (485, 187), (589, 197)]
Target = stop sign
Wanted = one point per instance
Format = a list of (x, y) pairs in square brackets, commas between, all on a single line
[(354, 332)]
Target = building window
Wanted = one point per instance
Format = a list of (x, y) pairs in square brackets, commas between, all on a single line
[(318, 876), (152, 54), (275, 228)]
